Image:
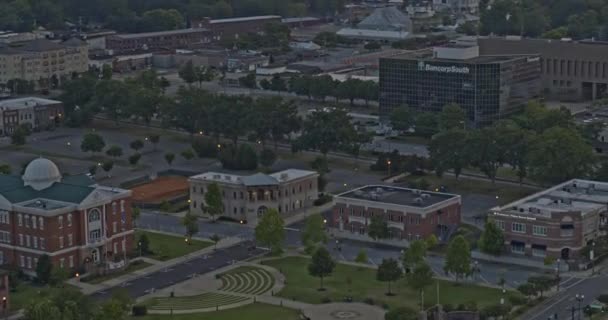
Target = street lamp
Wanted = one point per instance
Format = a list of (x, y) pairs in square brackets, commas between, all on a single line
[(579, 298), (591, 256), (557, 273), (502, 299), (139, 245), (388, 163)]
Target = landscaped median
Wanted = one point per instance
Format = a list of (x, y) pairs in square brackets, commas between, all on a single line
[(165, 247), (360, 283)]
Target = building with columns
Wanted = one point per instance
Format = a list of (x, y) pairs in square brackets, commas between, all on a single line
[(410, 214), (246, 198), (69, 218), (558, 222)]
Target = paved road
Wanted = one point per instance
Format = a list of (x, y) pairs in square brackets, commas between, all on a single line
[(183, 271), (490, 273), (562, 303)]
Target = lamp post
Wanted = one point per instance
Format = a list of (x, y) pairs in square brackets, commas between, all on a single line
[(388, 164), (591, 256), (139, 245), (557, 273), (579, 298)]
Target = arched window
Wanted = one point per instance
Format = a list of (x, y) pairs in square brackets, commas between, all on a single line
[(94, 215)]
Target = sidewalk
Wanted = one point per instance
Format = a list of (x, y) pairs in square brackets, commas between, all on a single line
[(88, 288)]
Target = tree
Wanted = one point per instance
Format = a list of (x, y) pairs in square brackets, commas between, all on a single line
[(154, 140), (560, 154), (42, 309), (136, 145), (362, 256), (267, 158), (106, 72), (326, 131), (5, 168), (322, 86), (425, 124), (204, 74), (93, 170), (527, 289), (134, 158), (248, 81), (265, 84), (378, 228), (114, 151), (278, 84), (541, 283), (452, 117), (314, 231), (431, 241), (488, 150), (420, 278), (169, 157), (447, 151), (214, 205), (215, 238), (107, 166), (402, 118), (18, 137), (164, 206), (190, 221), (321, 265), (458, 258), (58, 276), (348, 90), (92, 142), (187, 72), (135, 214), (389, 271), (44, 267), (401, 313), (269, 231), (492, 240), (187, 154), (415, 254)]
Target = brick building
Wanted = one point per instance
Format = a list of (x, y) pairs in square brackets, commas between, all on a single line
[(410, 214), (172, 39), (557, 222), (70, 218), (35, 113), (246, 198), (235, 27)]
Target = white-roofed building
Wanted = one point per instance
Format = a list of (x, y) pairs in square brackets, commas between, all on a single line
[(557, 222), (384, 24), (246, 198)]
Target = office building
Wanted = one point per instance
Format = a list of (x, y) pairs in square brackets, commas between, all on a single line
[(558, 222), (161, 40), (246, 198), (487, 87), (570, 70), (409, 213), (35, 113), (69, 218), (43, 62)]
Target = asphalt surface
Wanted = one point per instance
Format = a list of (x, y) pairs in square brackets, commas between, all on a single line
[(185, 270)]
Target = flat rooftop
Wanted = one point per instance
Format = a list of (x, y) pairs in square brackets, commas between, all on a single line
[(254, 179), (158, 33), (28, 102), (577, 195), (427, 55), (242, 19), (397, 195)]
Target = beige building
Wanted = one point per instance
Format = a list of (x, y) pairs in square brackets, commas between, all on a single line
[(43, 61), (246, 198)]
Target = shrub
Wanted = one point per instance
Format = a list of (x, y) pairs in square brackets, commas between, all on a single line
[(517, 300), (139, 311), (323, 199), (325, 300), (369, 301), (401, 313), (603, 298), (134, 159), (204, 148)]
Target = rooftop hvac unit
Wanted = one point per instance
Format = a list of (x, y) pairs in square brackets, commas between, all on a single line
[(418, 201), (425, 196), (379, 190), (358, 193), (217, 176), (284, 176), (373, 196), (228, 178)]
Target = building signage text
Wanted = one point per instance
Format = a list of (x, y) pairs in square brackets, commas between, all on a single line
[(422, 66), (514, 216)]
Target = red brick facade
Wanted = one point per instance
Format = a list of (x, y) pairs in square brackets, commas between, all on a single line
[(403, 225), (157, 40), (66, 237), (235, 27)]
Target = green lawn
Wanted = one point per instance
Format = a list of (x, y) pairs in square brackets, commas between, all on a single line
[(134, 266), (26, 293), (167, 247), (505, 193), (256, 311), (303, 287)]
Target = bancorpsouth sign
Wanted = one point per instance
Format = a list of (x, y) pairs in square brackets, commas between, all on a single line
[(423, 66)]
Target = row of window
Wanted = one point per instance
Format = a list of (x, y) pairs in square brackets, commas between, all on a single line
[(35, 242), (521, 228), (30, 263), (241, 195), (391, 235), (410, 219), (575, 68)]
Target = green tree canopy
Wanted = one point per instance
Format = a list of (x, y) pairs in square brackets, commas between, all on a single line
[(458, 258), (270, 230), (92, 142), (448, 151), (452, 117), (214, 205), (377, 228), (327, 131), (321, 265), (314, 231), (492, 240), (190, 221), (389, 271), (415, 254)]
